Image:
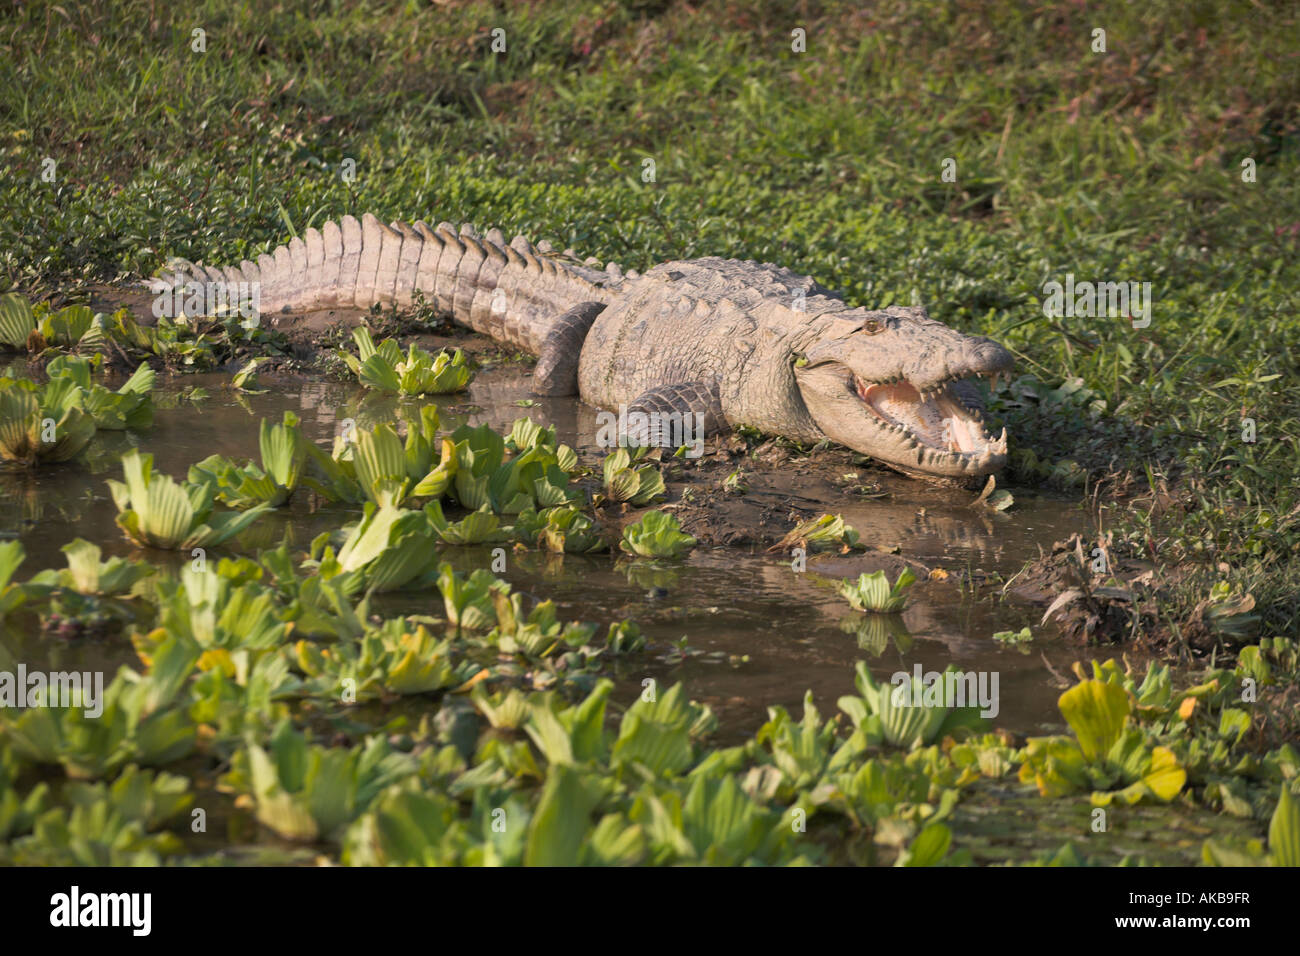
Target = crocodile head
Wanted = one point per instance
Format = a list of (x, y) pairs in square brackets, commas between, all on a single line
[(893, 385)]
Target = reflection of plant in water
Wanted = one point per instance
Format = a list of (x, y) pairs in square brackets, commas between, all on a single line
[(1020, 640), (81, 595), (649, 574), (875, 631)]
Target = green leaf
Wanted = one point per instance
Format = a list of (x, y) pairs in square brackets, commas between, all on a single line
[(1096, 712), (1284, 831)]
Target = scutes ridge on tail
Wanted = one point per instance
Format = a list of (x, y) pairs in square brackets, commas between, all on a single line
[(511, 292)]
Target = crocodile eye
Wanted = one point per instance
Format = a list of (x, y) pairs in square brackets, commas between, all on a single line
[(872, 327)]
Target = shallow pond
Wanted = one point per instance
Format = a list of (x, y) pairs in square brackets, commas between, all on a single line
[(736, 623)]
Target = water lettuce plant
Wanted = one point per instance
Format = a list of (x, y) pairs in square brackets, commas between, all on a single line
[(217, 612), (656, 535), (384, 367), (468, 599), (303, 791), (25, 327), (89, 834), (872, 592), (1107, 750), (17, 322), (1016, 638), (908, 713), (561, 529), (152, 798), (625, 481), (388, 660), (389, 548), (156, 511), (477, 527), (130, 406), (82, 595), (18, 812), (12, 594), (246, 485), (510, 474), (42, 424), (822, 533), (142, 720), (1283, 839), (374, 464), (536, 633)]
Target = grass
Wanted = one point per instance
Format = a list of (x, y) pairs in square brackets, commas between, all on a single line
[(1122, 166)]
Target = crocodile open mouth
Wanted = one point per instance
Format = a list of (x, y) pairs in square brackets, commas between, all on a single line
[(933, 418)]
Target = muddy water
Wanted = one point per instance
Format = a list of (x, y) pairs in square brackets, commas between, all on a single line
[(736, 623)]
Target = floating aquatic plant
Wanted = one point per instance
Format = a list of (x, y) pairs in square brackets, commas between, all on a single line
[(130, 406), (1015, 639), (389, 548), (468, 599), (140, 721), (218, 612), (72, 327), (536, 633), (656, 535), (80, 594), (477, 527), (384, 367), (1107, 750), (17, 322), (563, 529), (872, 592), (1283, 839), (303, 791), (12, 595), (42, 424), (18, 812), (246, 485), (159, 512), (510, 474), (90, 834), (908, 712), (374, 464), (822, 533), (388, 660), (625, 481)]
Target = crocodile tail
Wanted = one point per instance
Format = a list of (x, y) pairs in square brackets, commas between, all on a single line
[(509, 291)]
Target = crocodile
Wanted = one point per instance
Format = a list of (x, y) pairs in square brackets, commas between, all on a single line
[(733, 343)]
